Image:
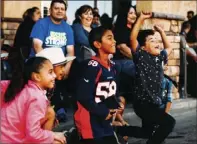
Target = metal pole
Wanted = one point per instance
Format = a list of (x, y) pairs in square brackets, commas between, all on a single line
[(183, 69), (95, 3)]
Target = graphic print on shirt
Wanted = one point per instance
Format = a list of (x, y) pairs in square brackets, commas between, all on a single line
[(105, 90), (57, 39)]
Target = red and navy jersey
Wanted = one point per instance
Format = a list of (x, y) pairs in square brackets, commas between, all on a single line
[(96, 94)]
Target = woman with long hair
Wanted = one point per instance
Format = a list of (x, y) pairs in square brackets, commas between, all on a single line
[(123, 56), (22, 39)]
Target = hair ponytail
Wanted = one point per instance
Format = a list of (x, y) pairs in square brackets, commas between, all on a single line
[(21, 76), (16, 82)]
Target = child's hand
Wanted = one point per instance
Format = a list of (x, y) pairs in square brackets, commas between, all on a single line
[(145, 15), (158, 27), (124, 123), (59, 137), (111, 114), (120, 109), (116, 123), (165, 68)]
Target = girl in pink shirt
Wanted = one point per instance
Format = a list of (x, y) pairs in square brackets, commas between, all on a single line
[(24, 104)]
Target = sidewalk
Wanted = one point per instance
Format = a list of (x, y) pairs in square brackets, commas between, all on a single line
[(189, 103)]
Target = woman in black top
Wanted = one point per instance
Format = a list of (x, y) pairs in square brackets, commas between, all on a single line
[(123, 26), (123, 56), (22, 39)]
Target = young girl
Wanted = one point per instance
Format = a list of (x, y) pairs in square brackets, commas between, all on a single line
[(24, 104)]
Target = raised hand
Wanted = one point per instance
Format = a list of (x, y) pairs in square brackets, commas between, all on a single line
[(145, 15), (158, 27)]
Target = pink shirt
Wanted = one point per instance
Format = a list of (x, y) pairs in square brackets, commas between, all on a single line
[(20, 119)]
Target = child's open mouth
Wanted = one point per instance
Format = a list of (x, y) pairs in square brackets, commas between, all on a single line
[(157, 47)]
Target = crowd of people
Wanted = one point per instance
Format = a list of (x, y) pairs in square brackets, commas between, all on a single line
[(94, 65)]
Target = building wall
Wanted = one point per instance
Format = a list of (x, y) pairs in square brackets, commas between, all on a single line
[(174, 7), (170, 7), (15, 9), (172, 28)]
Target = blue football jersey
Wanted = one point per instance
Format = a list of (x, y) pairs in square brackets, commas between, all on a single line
[(96, 94)]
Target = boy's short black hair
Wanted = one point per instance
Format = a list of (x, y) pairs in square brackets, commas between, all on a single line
[(143, 34), (96, 34), (59, 1), (185, 25), (190, 12)]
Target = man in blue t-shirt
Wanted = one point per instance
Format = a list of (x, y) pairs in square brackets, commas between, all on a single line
[(53, 31)]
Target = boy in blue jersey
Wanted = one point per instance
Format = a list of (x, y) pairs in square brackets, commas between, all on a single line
[(96, 92)]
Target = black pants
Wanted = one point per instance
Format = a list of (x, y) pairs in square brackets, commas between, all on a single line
[(104, 140), (150, 115)]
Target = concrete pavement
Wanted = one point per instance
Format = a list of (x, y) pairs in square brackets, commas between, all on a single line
[(187, 103), (179, 104)]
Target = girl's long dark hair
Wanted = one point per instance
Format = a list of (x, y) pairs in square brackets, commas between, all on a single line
[(21, 75), (28, 14)]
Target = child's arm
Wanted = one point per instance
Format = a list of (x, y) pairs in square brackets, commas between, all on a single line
[(166, 43), (121, 120), (136, 28), (168, 107), (125, 50), (34, 132), (169, 96), (48, 122)]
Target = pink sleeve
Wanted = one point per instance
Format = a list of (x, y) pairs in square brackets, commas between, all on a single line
[(36, 111), (4, 86)]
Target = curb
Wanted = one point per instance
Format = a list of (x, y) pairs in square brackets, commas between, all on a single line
[(184, 103), (188, 103)]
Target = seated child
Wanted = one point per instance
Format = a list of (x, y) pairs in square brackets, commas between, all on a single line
[(96, 92), (24, 104), (57, 58)]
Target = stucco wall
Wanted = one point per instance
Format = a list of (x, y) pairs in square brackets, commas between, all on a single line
[(170, 7), (172, 29), (15, 9)]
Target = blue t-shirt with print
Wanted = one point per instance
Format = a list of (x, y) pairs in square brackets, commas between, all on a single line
[(52, 35)]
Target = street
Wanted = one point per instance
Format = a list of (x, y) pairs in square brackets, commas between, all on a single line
[(184, 132)]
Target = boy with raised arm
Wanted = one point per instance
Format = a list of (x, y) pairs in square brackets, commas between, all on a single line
[(148, 59)]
